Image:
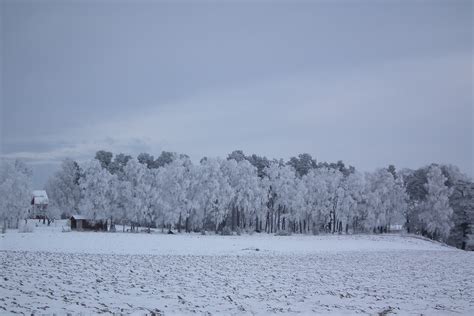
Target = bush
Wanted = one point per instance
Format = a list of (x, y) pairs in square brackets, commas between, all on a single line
[(283, 233), (26, 228), (470, 242), (226, 231)]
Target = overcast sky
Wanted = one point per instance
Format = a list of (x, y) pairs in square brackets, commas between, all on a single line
[(369, 82)]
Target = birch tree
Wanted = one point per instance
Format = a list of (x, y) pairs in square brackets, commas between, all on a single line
[(98, 191), (64, 191), (15, 190), (436, 212)]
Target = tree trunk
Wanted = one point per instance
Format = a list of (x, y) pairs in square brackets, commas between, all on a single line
[(271, 223), (266, 221), (331, 221), (279, 220), (238, 217), (232, 218)]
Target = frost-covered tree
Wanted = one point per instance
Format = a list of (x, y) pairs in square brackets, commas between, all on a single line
[(146, 159), (15, 190), (237, 155), (302, 164), (340, 188), (385, 200), (215, 191), (259, 162), (282, 183), (436, 212), (298, 207), (331, 195), (307, 188), (414, 182), (462, 202), (340, 166), (246, 195), (63, 189), (176, 179), (98, 191), (350, 195), (121, 202), (143, 198), (118, 164), (320, 187), (165, 158), (193, 208), (105, 158)]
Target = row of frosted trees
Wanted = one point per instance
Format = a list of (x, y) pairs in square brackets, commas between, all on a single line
[(252, 193)]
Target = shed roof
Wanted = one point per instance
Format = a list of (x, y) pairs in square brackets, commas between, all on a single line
[(77, 216)]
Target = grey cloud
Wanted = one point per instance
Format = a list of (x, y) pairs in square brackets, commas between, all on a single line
[(369, 82), (391, 113)]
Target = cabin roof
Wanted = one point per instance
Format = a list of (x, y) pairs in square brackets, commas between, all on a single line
[(40, 197), (40, 193)]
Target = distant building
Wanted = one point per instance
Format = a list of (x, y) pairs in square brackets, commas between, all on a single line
[(81, 222), (39, 204)]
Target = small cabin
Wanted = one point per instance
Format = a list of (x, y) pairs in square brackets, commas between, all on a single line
[(83, 223), (39, 204)]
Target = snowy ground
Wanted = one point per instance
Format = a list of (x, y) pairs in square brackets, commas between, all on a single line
[(50, 271)]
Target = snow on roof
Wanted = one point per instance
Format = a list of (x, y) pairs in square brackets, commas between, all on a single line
[(41, 193), (40, 197), (77, 216)]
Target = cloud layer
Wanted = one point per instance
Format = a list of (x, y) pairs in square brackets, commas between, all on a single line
[(409, 113), (370, 82)]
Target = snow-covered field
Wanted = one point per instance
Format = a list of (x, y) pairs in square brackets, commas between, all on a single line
[(49, 271)]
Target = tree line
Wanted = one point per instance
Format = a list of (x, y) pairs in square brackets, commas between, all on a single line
[(253, 193)]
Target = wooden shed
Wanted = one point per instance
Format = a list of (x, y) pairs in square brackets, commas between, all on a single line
[(81, 222), (77, 222)]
